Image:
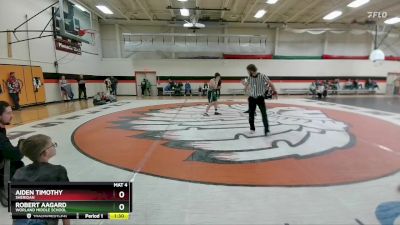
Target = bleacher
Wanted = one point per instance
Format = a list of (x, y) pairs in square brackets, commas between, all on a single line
[(236, 91), (294, 91), (353, 92), (306, 91)]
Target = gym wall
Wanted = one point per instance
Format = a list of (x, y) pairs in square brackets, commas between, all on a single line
[(286, 73), (94, 84)]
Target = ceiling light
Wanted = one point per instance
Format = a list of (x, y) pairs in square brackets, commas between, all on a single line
[(271, 2), (80, 7), (185, 12), (260, 13), (104, 9), (393, 20), (357, 3), (182, 0), (333, 15)]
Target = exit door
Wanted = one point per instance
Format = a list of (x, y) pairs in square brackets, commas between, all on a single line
[(151, 84)]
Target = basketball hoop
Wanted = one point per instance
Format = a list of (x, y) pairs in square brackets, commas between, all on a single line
[(85, 32), (82, 33)]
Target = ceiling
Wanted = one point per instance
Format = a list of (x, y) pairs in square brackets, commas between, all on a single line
[(241, 12)]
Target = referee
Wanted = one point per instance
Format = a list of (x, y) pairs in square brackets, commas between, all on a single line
[(257, 86)]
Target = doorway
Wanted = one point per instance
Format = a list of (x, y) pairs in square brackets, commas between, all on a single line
[(150, 84), (393, 84)]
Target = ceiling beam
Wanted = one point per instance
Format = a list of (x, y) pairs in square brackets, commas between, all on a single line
[(224, 5), (145, 10), (248, 10), (133, 7), (234, 9), (198, 12), (277, 10), (303, 10), (334, 7), (235, 4), (171, 10), (118, 10)]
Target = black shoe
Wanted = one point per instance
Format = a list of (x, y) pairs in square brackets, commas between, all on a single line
[(246, 111), (217, 113), (205, 114)]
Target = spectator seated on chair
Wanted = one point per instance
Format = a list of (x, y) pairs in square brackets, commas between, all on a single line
[(179, 89), (348, 85), (313, 89), (374, 84), (368, 84), (205, 89), (356, 85), (40, 149), (168, 88), (322, 91), (171, 83), (336, 86), (8, 153), (188, 89)]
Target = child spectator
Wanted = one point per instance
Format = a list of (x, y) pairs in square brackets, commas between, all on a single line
[(40, 149)]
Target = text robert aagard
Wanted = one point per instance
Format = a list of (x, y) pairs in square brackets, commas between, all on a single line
[(40, 207)]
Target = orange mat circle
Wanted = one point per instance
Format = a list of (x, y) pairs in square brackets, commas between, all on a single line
[(103, 141)]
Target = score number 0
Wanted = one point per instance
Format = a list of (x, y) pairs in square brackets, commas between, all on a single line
[(121, 195)]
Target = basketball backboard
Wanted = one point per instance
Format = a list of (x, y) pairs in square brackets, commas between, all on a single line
[(73, 21)]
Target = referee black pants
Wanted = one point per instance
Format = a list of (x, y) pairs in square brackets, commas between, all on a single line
[(253, 103)]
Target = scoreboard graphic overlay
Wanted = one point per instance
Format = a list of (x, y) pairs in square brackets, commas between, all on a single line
[(72, 200)]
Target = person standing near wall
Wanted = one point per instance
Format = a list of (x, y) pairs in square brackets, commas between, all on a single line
[(14, 89), (148, 87), (114, 84), (397, 87), (107, 82), (66, 91), (257, 86), (143, 86), (82, 87)]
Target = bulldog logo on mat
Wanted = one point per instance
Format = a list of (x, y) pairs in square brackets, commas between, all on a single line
[(308, 146), (295, 132)]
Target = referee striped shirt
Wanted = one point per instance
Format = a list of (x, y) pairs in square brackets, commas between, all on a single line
[(257, 85)]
